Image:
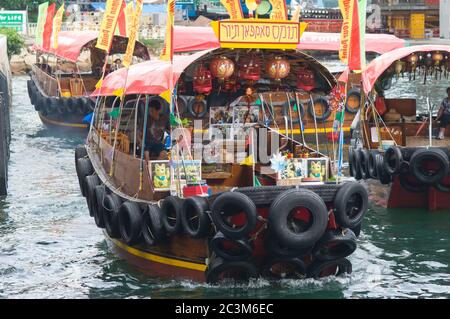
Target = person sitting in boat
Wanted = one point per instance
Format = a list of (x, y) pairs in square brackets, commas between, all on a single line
[(444, 115), (155, 133)]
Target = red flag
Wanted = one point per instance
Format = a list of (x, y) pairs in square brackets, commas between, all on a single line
[(48, 27), (122, 22), (354, 57)]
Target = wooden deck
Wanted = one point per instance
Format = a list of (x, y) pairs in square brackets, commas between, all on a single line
[(417, 141)]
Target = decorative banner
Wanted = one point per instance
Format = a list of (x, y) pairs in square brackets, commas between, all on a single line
[(262, 33), (57, 21), (354, 55), (346, 7), (234, 9), (48, 27), (279, 10), (121, 28), (167, 52), (109, 24), (129, 17), (42, 17), (362, 7), (128, 57)]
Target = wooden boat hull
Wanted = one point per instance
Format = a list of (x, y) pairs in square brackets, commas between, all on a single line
[(57, 123)]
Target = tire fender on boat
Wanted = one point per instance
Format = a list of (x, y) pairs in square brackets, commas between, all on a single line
[(372, 164), (284, 268), (280, 217), (190, 108), (316, 268), (335, 244), (431, 155), (171, 208), (356, 93), (326, 112), (231, 249), (153, 229), (244, 269), (382, 175), (111, 207), (393, 159), (100, 193), (90, 182), (350, 204), (130, 223), (231, 204), (276, 249), (194, 218), (83, 168), (364, 163)]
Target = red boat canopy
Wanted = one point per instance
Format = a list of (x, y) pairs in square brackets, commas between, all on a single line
[(71, 43), (187, 39), (377, 67)]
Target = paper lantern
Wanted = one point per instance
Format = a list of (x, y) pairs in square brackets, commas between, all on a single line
[(306, 79), (202, 80), (221, 68), (278, 68)]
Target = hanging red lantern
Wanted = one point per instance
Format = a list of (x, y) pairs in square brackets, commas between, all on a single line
[(221, 68), (202, 80), (306, 79), (278, 68), (250, 68)]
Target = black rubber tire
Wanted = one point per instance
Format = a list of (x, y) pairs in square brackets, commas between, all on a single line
[(364, 162), (83, 168), (194, 218), (350, 204), (86, 105), (54, 105), (357, 164), (100, 193), (282, 207), (229, 204), (343, 244), (296, 266), (429, 178), (30, 90), (243, 249), (410, 186), (276, 249), (182, 102), (293, 103), (38, 101), (351, 161), (393, 159), (111, 207), (90, 182), (45, 105), (218, 266), (153, 229), (130, 223), (357, 230), (357, 93), (325, 115), (190, 108), (318, 266), (80, 152), (372, 164), (171, 209), (67, 103), (383, 176), (33, 93)]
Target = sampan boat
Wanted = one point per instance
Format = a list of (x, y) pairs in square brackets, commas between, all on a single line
[(399, 149), (61, 93), (207, 205)]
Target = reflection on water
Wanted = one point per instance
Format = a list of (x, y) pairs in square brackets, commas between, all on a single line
[(50, 247)]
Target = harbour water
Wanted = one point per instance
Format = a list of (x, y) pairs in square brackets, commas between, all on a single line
[(51, 248)]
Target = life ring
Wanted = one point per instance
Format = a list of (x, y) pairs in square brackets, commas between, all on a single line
[(326, 109), (100, 193), (130, 223), (219, 269), (231, 249), (111, 207), (384, 177), (357, 164), (364, 163), (231, 204), (393, 159), (193, 106), (83, 168), (284, 268), (353, 95), (90, 182), (300, 228), (294, 111), (429, 176), (152, 226), (194, 217), (350, 204), (372, 165), (335, 244), (318, 267), (171, 211), (410, 186), (275, 248)]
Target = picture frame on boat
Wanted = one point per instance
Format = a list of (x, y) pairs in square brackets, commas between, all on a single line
[(246, 115), (220, 115), (189, 171), (295, 168), (221, 132), (160, 175), (317, 168)]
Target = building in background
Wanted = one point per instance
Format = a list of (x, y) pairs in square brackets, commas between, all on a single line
[(445, 19)]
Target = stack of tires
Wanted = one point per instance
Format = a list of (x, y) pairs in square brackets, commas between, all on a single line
[(417, 168), (298, 236)]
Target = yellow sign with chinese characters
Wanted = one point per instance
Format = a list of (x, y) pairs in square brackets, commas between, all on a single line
[(258, 34)]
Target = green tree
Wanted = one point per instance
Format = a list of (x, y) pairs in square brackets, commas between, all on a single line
[(14, 40), (30, 6)]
